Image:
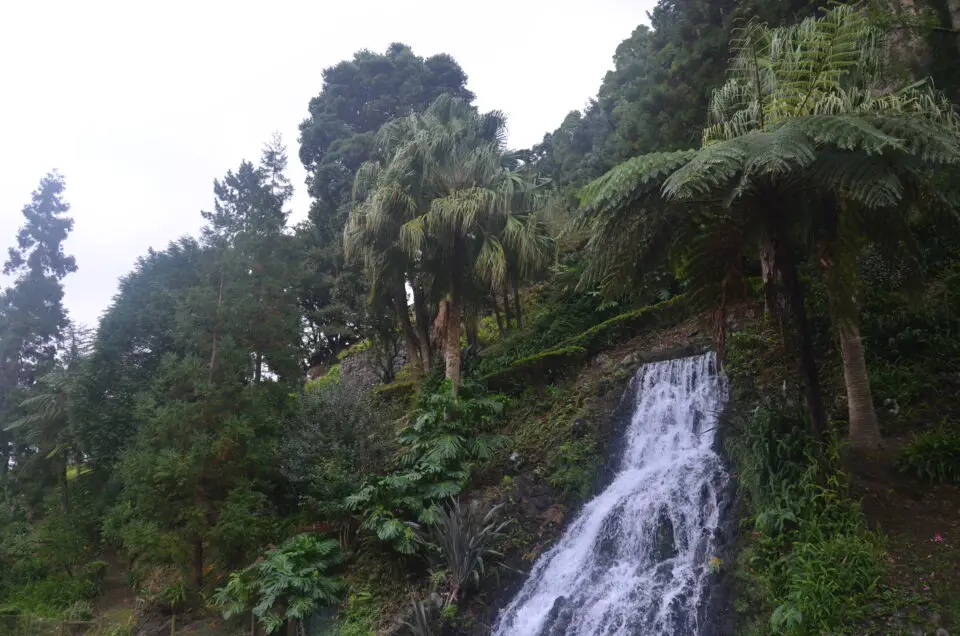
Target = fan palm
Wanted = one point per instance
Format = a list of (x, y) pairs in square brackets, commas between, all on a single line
[(383, 201), (791, 135), (449, 200)]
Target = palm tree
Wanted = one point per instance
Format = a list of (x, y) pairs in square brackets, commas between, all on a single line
[(383, 202), (449, 200), (788, 140)]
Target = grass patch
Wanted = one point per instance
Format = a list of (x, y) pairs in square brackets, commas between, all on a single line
[(809, 564)]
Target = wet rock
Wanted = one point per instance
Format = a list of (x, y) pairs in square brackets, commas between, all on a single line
[(916, 630), (532, 497), (942, 632), (610, 539), (601, 361), (665, 546), (554, 514), (559, 618), (604, 386), (629, 361)]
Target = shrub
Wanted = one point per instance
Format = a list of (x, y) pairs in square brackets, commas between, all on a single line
[(288, 582), (335, 436), (933, 455), (811, 564), (437, 452), (332, 376)]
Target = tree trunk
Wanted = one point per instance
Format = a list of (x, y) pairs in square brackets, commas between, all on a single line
[(507, 309), (472, 327), (198, 563), (953, 7), (406, 328), (808, 361), (771, 284), (451, 352), (519, 305), (216, 336), (496, 312), (864, 429), (423, 327), (64, 487), (258, 367), (4, 454)]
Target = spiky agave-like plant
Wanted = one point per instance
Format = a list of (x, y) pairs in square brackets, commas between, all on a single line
[(464, 540)]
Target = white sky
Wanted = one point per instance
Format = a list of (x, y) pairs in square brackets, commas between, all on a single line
[(141, 104)]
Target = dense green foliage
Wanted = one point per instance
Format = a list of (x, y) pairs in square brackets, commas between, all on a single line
[(288, 583), (437, 451), (933, 455), (811, 558), (258, 389)]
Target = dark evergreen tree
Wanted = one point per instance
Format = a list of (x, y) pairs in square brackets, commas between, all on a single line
[(32, 316), (358, 97)]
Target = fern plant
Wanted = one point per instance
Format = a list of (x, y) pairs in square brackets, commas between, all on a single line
[(288, 582)]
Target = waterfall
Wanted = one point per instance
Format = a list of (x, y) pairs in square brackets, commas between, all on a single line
[(637, 558)]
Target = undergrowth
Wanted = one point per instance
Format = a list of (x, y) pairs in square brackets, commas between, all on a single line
[(933, 455), (809, 564)]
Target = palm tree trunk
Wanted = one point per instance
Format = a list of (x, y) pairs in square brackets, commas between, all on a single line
[(785, 267), (519, 305), (471, 325), (422, 327), (507, 310), (864, 428), (451, 351), (406, 328), (496, 312)]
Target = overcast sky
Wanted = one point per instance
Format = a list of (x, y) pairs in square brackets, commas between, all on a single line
[(141, 104)]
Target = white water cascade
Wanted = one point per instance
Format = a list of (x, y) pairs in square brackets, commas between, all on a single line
[(637, 558)]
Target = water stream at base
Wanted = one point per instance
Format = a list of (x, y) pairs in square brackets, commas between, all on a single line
[(636, 560)]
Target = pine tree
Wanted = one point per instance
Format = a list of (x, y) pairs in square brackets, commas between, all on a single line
[(32, 315)]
